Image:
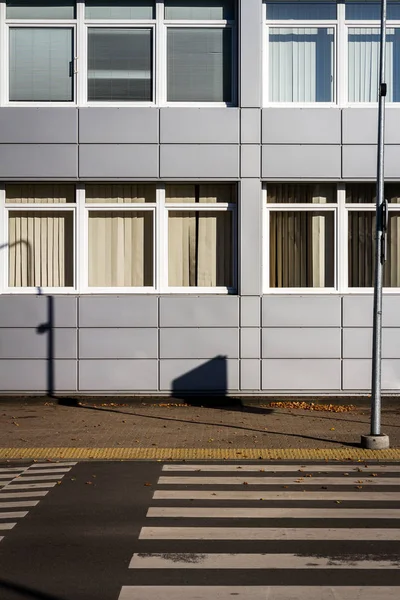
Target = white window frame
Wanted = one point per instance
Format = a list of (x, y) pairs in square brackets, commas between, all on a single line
[(81, 24), (296, 207), (8, 24), (81, 210), (341, 26), (341, 268), (6, 208), (365, 207), (209, 208), (192, 24), (296, 23)]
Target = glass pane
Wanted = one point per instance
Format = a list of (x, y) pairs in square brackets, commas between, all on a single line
[(41, 250), (302, 249), (368, 11), (41, 64), (203, 193), (120, 193), (297, 193), (365, 193), (40, 9), (361, 247), (301, 64), (120, 64), (200, 10), (199, 65), (363, 61), (301, 10), (122, 9), (361, 244), (40, 193), (200, 249), (120, 249)]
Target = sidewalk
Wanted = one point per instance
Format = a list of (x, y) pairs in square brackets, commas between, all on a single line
[(106, 423)]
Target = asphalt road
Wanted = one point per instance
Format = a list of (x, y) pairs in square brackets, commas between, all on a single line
[(244, 531)]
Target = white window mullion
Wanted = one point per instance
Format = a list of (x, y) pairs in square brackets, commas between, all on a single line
[(160, 56), (81, 55), (162, 238), (341, 66), (341, 240), (81, 240), (3, 240)]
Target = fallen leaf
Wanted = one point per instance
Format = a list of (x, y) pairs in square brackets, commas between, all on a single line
[(147, 484)]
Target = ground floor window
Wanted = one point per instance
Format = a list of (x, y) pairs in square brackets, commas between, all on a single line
[(322, 235), (125, 236)]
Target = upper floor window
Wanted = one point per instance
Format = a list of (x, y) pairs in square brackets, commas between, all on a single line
[(328, 52), (137, 51)]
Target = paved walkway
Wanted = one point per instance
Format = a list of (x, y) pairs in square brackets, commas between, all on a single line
[(107, 424)]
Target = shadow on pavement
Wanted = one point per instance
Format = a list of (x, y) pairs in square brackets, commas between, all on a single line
[(24, 591)]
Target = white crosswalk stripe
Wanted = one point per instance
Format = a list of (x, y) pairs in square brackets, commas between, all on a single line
[(258, 593), (14, 483), (301, 514)]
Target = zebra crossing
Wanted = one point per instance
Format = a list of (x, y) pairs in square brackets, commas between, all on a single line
[(270, 532), (38, 478)]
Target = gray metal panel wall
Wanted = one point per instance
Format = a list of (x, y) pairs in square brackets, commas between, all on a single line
[(205, 342), (32, 375), (118, 161), (359, 162), (118, 375), (302, 375), (301, 161), (199, 161), (38, 161), (118, 125), (250, 18), (360, 125), (199, 311), (199, 126), (250, 235), (190, 375), (118, 311), (33, 311), (39, 125), (118, 343), (301, 126)]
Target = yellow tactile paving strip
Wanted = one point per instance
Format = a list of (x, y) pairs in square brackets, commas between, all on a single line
[(199, 454)]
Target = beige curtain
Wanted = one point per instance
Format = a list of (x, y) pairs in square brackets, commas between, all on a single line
[(120, 193), (120, 249), (41, 193), (200, 251), (40, 249), (301, 193), (201, 193), (301, 249), (361, 246)]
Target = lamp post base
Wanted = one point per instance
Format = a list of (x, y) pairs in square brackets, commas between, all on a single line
[(375, 442)]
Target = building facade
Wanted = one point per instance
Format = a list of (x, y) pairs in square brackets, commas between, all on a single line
[(187, 196)]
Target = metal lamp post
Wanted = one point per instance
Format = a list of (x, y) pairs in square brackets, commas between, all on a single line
[(376, 440)]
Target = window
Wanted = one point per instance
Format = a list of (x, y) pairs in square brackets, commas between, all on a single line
[(40, 223), (130, 51), (120, 236), (360, 204), (201, 231), (328, 52), (199, 58), (301, 55), (301, 235), (321, 236)]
